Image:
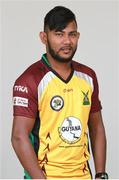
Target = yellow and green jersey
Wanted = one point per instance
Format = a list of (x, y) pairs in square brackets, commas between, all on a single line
[(61, 109)]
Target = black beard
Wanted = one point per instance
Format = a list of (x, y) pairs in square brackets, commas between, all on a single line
[(59, 58)]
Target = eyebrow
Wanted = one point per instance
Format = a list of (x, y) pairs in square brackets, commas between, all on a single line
[(75, 31)]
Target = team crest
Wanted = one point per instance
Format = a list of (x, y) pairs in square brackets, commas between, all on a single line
[(57, 103), (70, 130), (86, 99)]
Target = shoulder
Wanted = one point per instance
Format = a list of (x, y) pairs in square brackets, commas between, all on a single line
[(81, 68), (33, 74)]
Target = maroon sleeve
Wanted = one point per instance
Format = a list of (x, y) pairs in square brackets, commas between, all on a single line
[(25, 100), (96, 104)]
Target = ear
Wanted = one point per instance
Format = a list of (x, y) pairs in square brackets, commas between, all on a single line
[(78, 35), (43, 37)]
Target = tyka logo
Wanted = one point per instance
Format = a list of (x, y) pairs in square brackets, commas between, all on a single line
[(21, 88)]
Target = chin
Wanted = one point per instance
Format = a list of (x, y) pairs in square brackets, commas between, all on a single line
[(63, 59)]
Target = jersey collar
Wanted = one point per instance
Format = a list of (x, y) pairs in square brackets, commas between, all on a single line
[(44, 58)]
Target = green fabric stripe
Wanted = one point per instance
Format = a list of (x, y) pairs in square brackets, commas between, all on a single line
[(46, 60), (31, 137), (27, 176)]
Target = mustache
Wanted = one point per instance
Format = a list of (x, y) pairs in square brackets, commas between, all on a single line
[(66, 47)]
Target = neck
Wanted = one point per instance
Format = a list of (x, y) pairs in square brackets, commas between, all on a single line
[(58, 66)]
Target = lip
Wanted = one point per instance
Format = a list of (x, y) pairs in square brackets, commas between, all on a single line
[(66, 49)]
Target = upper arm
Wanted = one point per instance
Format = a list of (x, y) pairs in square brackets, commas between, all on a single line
[(95, 122), (25, 105), (25, 96), (95, 102), (22, 126)]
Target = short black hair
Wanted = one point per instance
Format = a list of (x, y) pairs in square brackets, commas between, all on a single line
[(58, 18)]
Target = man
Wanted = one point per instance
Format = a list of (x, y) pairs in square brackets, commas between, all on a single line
[(55, 103)]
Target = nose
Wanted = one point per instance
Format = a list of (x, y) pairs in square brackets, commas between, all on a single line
[(67, 39)]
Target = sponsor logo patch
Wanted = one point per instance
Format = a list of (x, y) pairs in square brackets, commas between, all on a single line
[(57, 103), (86, 99), (70, 130), (19, 101)]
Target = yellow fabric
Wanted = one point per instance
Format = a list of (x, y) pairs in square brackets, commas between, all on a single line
[(64, 110)]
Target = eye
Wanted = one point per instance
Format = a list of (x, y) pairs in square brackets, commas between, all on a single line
[(73, 34), (59, 34)]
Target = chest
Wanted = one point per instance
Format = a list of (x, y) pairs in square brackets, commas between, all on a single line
[(54, 92)]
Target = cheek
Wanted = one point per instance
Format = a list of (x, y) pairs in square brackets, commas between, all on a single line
[(55, 45), (74, 43)]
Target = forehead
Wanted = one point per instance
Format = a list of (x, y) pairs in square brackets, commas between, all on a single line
[(71, 26)]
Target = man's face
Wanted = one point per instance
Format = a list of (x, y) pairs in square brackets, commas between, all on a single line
[(61, 45)]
